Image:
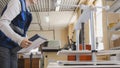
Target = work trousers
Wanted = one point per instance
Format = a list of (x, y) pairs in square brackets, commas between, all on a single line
[(8, 57)]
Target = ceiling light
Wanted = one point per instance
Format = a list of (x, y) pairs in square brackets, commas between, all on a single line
[(57, 8), (47, 19)]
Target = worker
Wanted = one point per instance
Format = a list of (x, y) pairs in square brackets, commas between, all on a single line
[(14, 22)]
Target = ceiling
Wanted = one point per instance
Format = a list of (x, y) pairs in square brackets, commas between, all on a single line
[(57, 19)]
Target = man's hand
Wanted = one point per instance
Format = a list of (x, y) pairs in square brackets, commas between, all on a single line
[(25, 43)]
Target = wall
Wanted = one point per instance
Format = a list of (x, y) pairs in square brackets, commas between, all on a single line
[(47, 34), (58, 34), (61, 34)]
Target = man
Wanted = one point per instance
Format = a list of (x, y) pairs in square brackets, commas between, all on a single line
[(14, 23)]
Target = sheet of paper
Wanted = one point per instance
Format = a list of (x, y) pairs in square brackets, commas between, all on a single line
[(36, 42)]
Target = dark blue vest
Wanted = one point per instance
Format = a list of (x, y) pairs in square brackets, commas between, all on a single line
[(19, 24)]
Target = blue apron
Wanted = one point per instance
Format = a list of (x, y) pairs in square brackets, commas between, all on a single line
[(19, 24)]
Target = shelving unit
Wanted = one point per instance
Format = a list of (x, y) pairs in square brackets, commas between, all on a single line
[(88, 14), (114, 8), (97, 62), (85, 16)]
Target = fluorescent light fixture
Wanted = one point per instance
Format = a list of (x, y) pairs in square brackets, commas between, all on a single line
[(58, 5), (47, 19), (57, 8)]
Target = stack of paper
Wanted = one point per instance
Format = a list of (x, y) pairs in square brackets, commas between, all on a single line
[(36, 42)]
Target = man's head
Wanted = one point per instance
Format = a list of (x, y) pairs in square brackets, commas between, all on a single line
[(33, 1)]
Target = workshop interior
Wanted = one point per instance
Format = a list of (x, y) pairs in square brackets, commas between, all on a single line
[(72, 34)]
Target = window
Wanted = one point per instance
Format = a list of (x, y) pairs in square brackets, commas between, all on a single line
[(99, 27)]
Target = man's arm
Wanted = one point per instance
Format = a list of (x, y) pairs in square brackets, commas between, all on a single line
[(13, 9)]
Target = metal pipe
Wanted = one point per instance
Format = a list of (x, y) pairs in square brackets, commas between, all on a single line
[(93, 40), (38, 16), (77, 44), (82, 35)]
